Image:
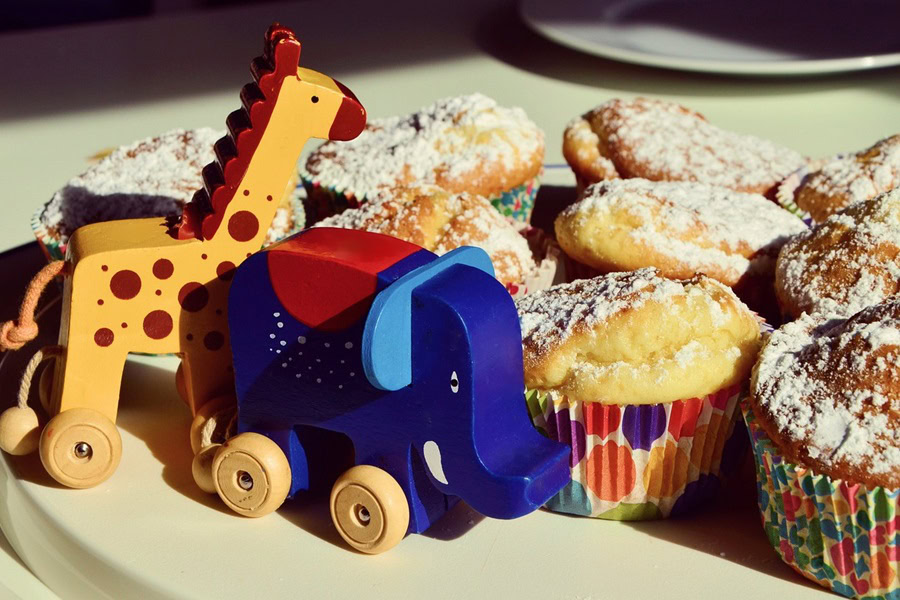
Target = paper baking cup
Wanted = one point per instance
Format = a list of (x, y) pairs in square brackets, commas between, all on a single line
[(325, 201), (549, 258), (785, 192), (642, 461), (844, 536)]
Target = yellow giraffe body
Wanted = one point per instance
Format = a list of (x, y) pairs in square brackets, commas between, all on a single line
[(136, 288)]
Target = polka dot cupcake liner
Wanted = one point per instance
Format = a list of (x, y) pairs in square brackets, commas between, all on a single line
[(324, 201), (844, 536), (635, 462)]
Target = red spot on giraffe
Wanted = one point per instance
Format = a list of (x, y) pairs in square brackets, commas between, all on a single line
[(100, 302), (225, 270), (204, 256), (193, 296), (159, 292), (190, 337), (163, 268), (157, 324), (269, 198), (243, 226), (104, 337), (125, 284), (104, 268), (124, 325), (214, 340), (246, 192)]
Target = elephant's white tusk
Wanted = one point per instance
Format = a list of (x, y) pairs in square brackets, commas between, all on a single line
[(433, 460)]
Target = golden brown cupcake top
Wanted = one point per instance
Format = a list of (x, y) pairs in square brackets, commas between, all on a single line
[(827, 392), (463, 144), (679, 227), (636, 338), (846, 263), (440, 221), (664, 141), (850, 179)]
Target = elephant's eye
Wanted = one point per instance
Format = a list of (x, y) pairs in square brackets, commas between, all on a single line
[(454, 382)]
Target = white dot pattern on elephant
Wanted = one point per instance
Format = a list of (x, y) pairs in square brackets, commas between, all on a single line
[(318, 362)]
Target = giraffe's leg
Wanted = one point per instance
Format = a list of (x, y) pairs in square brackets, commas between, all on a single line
[(207, 375), (90, 376)]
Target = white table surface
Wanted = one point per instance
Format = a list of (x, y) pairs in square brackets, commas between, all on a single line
[(68, 92)]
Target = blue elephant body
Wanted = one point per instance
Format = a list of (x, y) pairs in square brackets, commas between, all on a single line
[(416, 359)]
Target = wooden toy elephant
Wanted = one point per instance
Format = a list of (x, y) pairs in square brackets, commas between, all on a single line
[(416, 359)]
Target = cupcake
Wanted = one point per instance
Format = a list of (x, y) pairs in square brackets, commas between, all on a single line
[(681, 228), (153, 177), (822, 414), (842, 181), (462, 144), (844, 264), (664, 141), (441, 221), (642, 377)]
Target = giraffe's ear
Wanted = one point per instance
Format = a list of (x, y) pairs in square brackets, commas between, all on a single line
[(282, 48)]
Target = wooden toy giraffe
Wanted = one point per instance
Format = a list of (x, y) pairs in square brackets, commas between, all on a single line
[(156, 286)]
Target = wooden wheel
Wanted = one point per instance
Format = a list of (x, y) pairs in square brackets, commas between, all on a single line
[(80, 448), (369, 509), (251, 474), (45, 385), (204, 413), (202, 468)]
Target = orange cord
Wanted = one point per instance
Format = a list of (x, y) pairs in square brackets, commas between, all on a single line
[(15, 334)]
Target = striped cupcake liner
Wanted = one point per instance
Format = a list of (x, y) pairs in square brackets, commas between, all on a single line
[(642, 461), (324, 200), (844, 536)]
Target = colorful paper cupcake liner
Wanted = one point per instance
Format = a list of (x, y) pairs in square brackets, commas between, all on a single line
[(642, 461), (325, 201), (844, 536)]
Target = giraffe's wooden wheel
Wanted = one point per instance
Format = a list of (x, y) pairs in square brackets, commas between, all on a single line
[(223, 408), (369, 509), (251, 474), (80, 448)]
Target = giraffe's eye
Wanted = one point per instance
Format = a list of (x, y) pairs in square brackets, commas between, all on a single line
[(314, 99)]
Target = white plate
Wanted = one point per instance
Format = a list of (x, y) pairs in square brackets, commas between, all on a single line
[(762, 37)]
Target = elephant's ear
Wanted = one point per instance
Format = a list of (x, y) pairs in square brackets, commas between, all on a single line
[(387, 338)]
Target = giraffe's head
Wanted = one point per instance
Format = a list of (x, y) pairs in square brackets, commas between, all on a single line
[(326, 105)]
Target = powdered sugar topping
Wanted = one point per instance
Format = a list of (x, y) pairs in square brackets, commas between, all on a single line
[(548, 318), (675, 143), (453, 139), (699, 225), (848, 262), (829, 384), (860, 176)]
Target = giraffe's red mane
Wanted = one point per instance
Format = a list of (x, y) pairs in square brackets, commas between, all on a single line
[(202, 216)]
